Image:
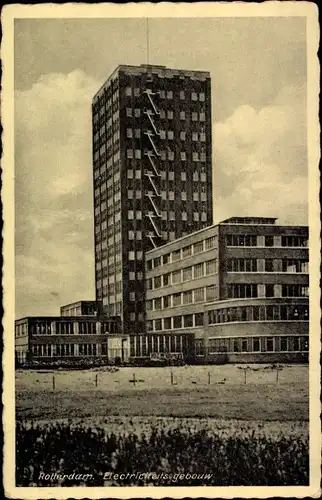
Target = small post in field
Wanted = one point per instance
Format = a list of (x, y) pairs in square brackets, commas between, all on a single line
[(53, 382), (245, 376), (278, 368), (134, 380), (208, 378), (96, 377), (171, 377)]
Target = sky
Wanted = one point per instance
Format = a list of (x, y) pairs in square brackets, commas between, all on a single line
[(258, 71)]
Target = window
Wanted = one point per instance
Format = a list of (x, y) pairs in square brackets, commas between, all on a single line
[(183, 176), (202, 117), (132, 296), (269, 265), (171, 176), (199, 319), (129, 153), (169, 94), (202, 97), (293, 290), (198, 247), (294, 241), (157, 324), (176, 277), (129, 112), (157, 304), (269, 241), (270, 344), (176, 299), (166, 279), (170, 114), (198, 270), (167, 323), (170, 134), (241, 240), (183, 136), (195, 156), (137, 133), (157, 282), (211, 292), (176, 255), (165, 259), (283, 344), (256, 345), (166, 301), (129, 133), (183, 156), (188, 320), (177, 322), (182, 94), (241, 291), (196, 197), (183, 215), (187, 273), (137, 113), (195, 136), (211, 266), (244, 345), (210, 242), (187, 297), (194, 96), (186, 251), (198, 295), (128, 91), (182, 115), (194, 116)]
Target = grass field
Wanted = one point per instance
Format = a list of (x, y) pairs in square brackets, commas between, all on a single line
[(187, 420), (225, 397)]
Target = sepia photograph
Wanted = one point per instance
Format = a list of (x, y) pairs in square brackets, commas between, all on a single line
[(161, 250)]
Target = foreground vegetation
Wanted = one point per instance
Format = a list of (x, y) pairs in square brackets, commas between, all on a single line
[(243, 456)]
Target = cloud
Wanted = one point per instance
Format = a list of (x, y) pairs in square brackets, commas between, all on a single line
[(53, 193), (260, 160)]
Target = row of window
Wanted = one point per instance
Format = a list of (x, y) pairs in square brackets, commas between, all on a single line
[(194, 296), (259, 344), (185, 321), (195, 136), (182, 253), (277, 312), (169, 114), (268, 265), (63, 328), (196, 177), (199, 136), (143, 345), (251, 240), (21, 330), (185, 274), (167, 94), (168, 155), (243, 291), (65, 350)]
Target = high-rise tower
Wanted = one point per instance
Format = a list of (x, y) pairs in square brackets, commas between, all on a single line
[(152, 164)]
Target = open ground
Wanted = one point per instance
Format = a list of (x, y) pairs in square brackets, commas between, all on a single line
[(221, 392)]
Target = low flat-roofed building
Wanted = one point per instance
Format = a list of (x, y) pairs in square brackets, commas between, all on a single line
[(81, 308), (44, 337), (241, 287)]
